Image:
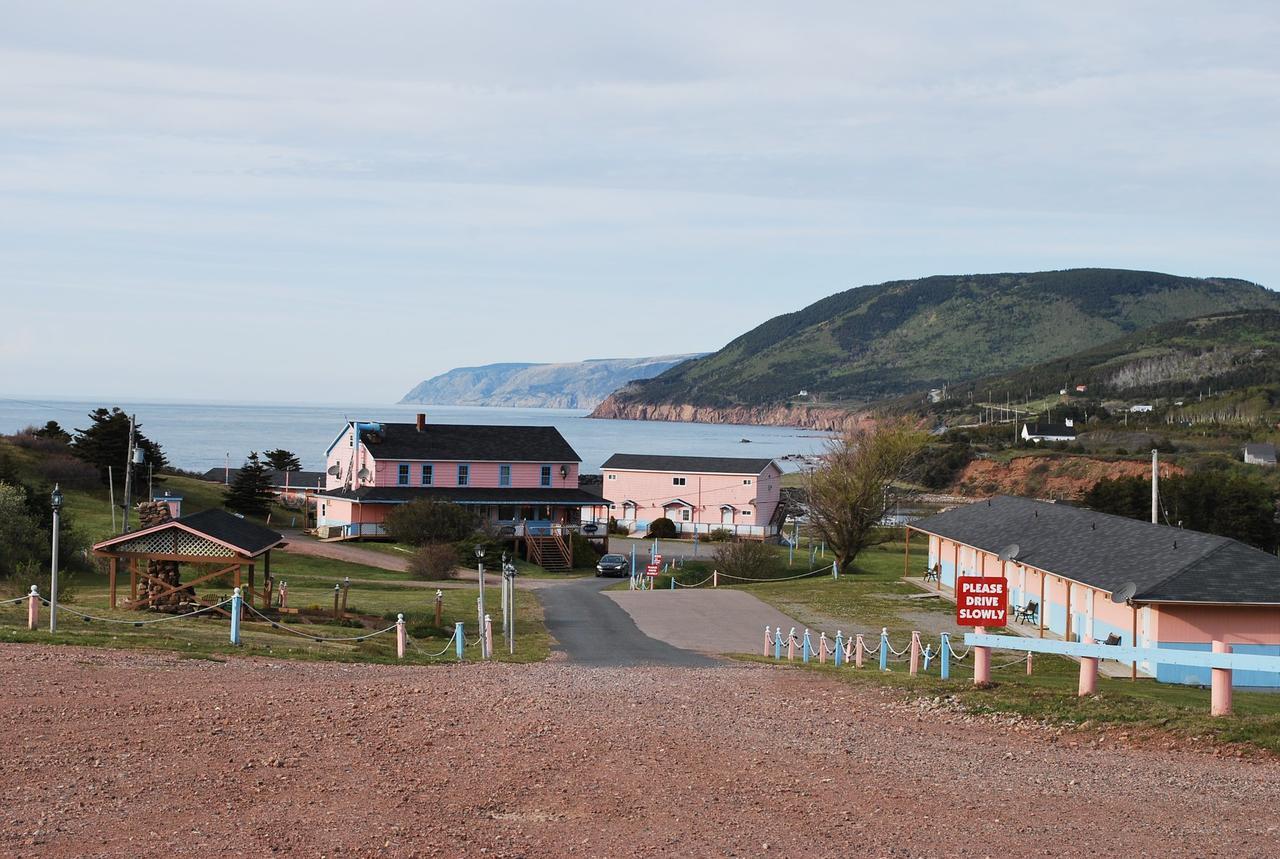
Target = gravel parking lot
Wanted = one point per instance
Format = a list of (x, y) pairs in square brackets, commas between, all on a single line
[(111, 753)]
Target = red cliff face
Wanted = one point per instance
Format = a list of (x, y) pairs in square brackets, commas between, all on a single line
[(804, 417)]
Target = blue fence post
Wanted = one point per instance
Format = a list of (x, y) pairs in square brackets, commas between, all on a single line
[(808, 648), (884, 648), (777, 643), (235, 616), (458, 639), (945, 649), (633, 560), (673, 581), (928, 655), (839, 649)]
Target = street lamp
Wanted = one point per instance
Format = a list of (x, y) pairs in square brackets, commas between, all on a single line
[(55, 501), (484, 654)]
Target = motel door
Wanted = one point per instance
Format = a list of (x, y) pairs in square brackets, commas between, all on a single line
[(726, 515)]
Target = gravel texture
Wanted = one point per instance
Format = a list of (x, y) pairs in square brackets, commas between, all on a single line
[(110, 753)]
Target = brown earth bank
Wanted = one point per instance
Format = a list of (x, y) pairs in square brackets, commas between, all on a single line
[(826, 419), (107, 753), (1058, 477)]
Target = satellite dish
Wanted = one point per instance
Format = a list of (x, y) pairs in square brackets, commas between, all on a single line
[(1010, 552), (1124, 593), (335, 470), (363, 474)]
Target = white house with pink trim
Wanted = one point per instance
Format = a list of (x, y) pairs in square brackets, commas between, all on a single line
[(698, 493)]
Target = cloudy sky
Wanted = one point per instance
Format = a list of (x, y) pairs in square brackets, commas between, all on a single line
[(331, 201)]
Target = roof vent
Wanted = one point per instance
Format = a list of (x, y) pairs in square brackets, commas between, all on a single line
[(422, 421)]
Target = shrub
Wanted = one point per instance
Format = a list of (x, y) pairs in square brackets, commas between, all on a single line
[(68, 472), (747, 559), (433, 562), (719, 535), (465, 551), (662, 527), (584, 551), (424, 521)]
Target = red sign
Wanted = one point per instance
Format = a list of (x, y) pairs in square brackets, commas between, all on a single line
[(651, 570), (981, 601)]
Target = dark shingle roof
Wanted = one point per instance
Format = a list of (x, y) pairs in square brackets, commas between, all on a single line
[(249, 537), (1167, 564), (705, 464), (296, 479), (1051, 429), (465, 495), (1263, 450), (469, 442)]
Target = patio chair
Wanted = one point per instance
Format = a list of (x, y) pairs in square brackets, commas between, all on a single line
[(1027, 613), (1111, 640)]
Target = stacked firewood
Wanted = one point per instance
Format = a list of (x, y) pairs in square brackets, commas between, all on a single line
[(150, 514)]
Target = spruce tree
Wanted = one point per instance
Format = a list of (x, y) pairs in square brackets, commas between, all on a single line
[(106, 443), (283, 460), (250, 492)]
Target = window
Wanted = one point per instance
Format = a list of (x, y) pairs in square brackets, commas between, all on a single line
[(677, 481), (613, 477), (546, 475), (427, 475), (504, 475), (403, 477), (322, 508), (746, 482), (464, 474), (684, 514)]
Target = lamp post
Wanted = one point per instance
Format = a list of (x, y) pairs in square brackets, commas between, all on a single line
[(55, 501), (509, 581), (480, 565)]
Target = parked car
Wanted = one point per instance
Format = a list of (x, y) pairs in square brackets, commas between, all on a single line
[(613, 565)]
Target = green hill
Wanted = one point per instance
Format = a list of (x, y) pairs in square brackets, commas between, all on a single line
[(885, 340)]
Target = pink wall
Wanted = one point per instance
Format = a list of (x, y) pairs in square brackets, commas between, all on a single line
[(753, 503), (1233, 624)]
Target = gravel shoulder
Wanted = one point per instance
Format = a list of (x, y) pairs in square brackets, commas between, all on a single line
[(112, 753)]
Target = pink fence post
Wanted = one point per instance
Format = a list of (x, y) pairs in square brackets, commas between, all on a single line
[(822, 648), (284, 595), (768, 639), (981, 661), (1028, 663), (401, 636), (1220, 694), (33, 608), (915, 653), (715, 578), (1088, 672), (488, 636), (791, 645), (859, 648)]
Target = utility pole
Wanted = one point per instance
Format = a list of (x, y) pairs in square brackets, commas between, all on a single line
[(1155, 484), (128, 476)]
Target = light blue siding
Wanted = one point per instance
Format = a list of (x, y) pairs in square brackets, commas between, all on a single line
[(1194, 676)]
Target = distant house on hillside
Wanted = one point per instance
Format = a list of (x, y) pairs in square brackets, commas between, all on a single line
[(292, 486), (698, 493), (1140, 408), (1049, 432), (1260, 453)]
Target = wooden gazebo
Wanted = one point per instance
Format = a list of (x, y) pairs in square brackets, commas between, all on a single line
[(210, 538)]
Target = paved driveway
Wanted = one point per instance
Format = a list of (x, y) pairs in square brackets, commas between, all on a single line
[(710, 620)]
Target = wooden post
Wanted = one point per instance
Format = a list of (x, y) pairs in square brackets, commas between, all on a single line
[(955, 566), (237, 576), (133, 579), (1220, 694), (1067, 637), (1133, 666), (439, 607), (336, 591), (251, 584), (915, 653), (1088, 672), (1044, 609), (112, 567)]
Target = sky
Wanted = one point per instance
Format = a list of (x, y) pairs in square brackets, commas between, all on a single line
[(314, 201)]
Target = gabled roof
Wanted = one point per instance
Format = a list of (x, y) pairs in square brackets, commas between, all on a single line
[(469, 443), (688, 464), (293, 479), (1167, 564), (235, 533), (1051, 430), (677, 502), (465, 495)]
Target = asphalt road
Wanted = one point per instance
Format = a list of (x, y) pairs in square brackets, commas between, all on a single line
[(592, 629)]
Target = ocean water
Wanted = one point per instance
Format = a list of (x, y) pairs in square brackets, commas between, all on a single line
[(200, 436)]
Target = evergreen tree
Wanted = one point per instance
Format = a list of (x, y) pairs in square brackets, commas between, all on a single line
[(250, 492), (283, 460), (106, 443), (53, 431)]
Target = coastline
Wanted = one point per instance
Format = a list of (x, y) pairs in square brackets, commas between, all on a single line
[(822, 419)]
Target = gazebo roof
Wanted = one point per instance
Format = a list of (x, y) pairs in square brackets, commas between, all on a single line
[(207, 534)]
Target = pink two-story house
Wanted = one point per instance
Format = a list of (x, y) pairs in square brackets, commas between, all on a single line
[(698, 493), (525, 476)]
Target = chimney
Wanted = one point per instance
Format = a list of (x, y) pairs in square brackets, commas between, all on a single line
[(422, 421)]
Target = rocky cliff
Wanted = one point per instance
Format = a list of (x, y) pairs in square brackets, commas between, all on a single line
[(804, 417)]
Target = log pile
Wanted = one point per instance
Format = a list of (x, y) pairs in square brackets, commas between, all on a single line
[(150, 514)]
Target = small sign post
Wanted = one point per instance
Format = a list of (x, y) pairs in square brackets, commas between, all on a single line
[(981, 601)]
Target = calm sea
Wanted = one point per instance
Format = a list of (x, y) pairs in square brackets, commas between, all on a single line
[(200, 436)]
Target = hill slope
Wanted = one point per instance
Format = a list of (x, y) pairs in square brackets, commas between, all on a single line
[(879, 341), (576, 385)]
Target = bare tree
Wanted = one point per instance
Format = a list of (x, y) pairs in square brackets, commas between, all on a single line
[(849, 492)]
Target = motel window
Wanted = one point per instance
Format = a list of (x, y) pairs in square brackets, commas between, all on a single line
[(747, 482), (613, 477), (684, 514), (546, 475), (504, 475), (677, 481), (464, 474), (427, 475), (403, 476), (322, 508)]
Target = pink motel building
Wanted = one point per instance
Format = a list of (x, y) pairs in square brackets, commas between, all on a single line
[(525, 477), (698, 493), (1187, 588)]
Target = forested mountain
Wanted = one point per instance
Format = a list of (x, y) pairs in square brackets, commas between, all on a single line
[(879, 341), (576, 385)]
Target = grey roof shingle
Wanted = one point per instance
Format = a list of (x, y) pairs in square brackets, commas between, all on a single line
[(292, 479), (465, 495), (703, 464), (1051, 430), (470, 443), (1167, 564), (249, 537)]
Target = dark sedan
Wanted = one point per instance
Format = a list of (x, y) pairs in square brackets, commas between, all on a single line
[(614, 565)]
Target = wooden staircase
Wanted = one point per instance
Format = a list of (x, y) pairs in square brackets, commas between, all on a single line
[(553, 553)]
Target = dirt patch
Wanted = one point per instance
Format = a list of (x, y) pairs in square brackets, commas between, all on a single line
[(129, 754), (1056, 477)]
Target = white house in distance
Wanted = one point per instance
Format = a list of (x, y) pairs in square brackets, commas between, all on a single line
[(1260, 453), (698, 493), (1049, 432)]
